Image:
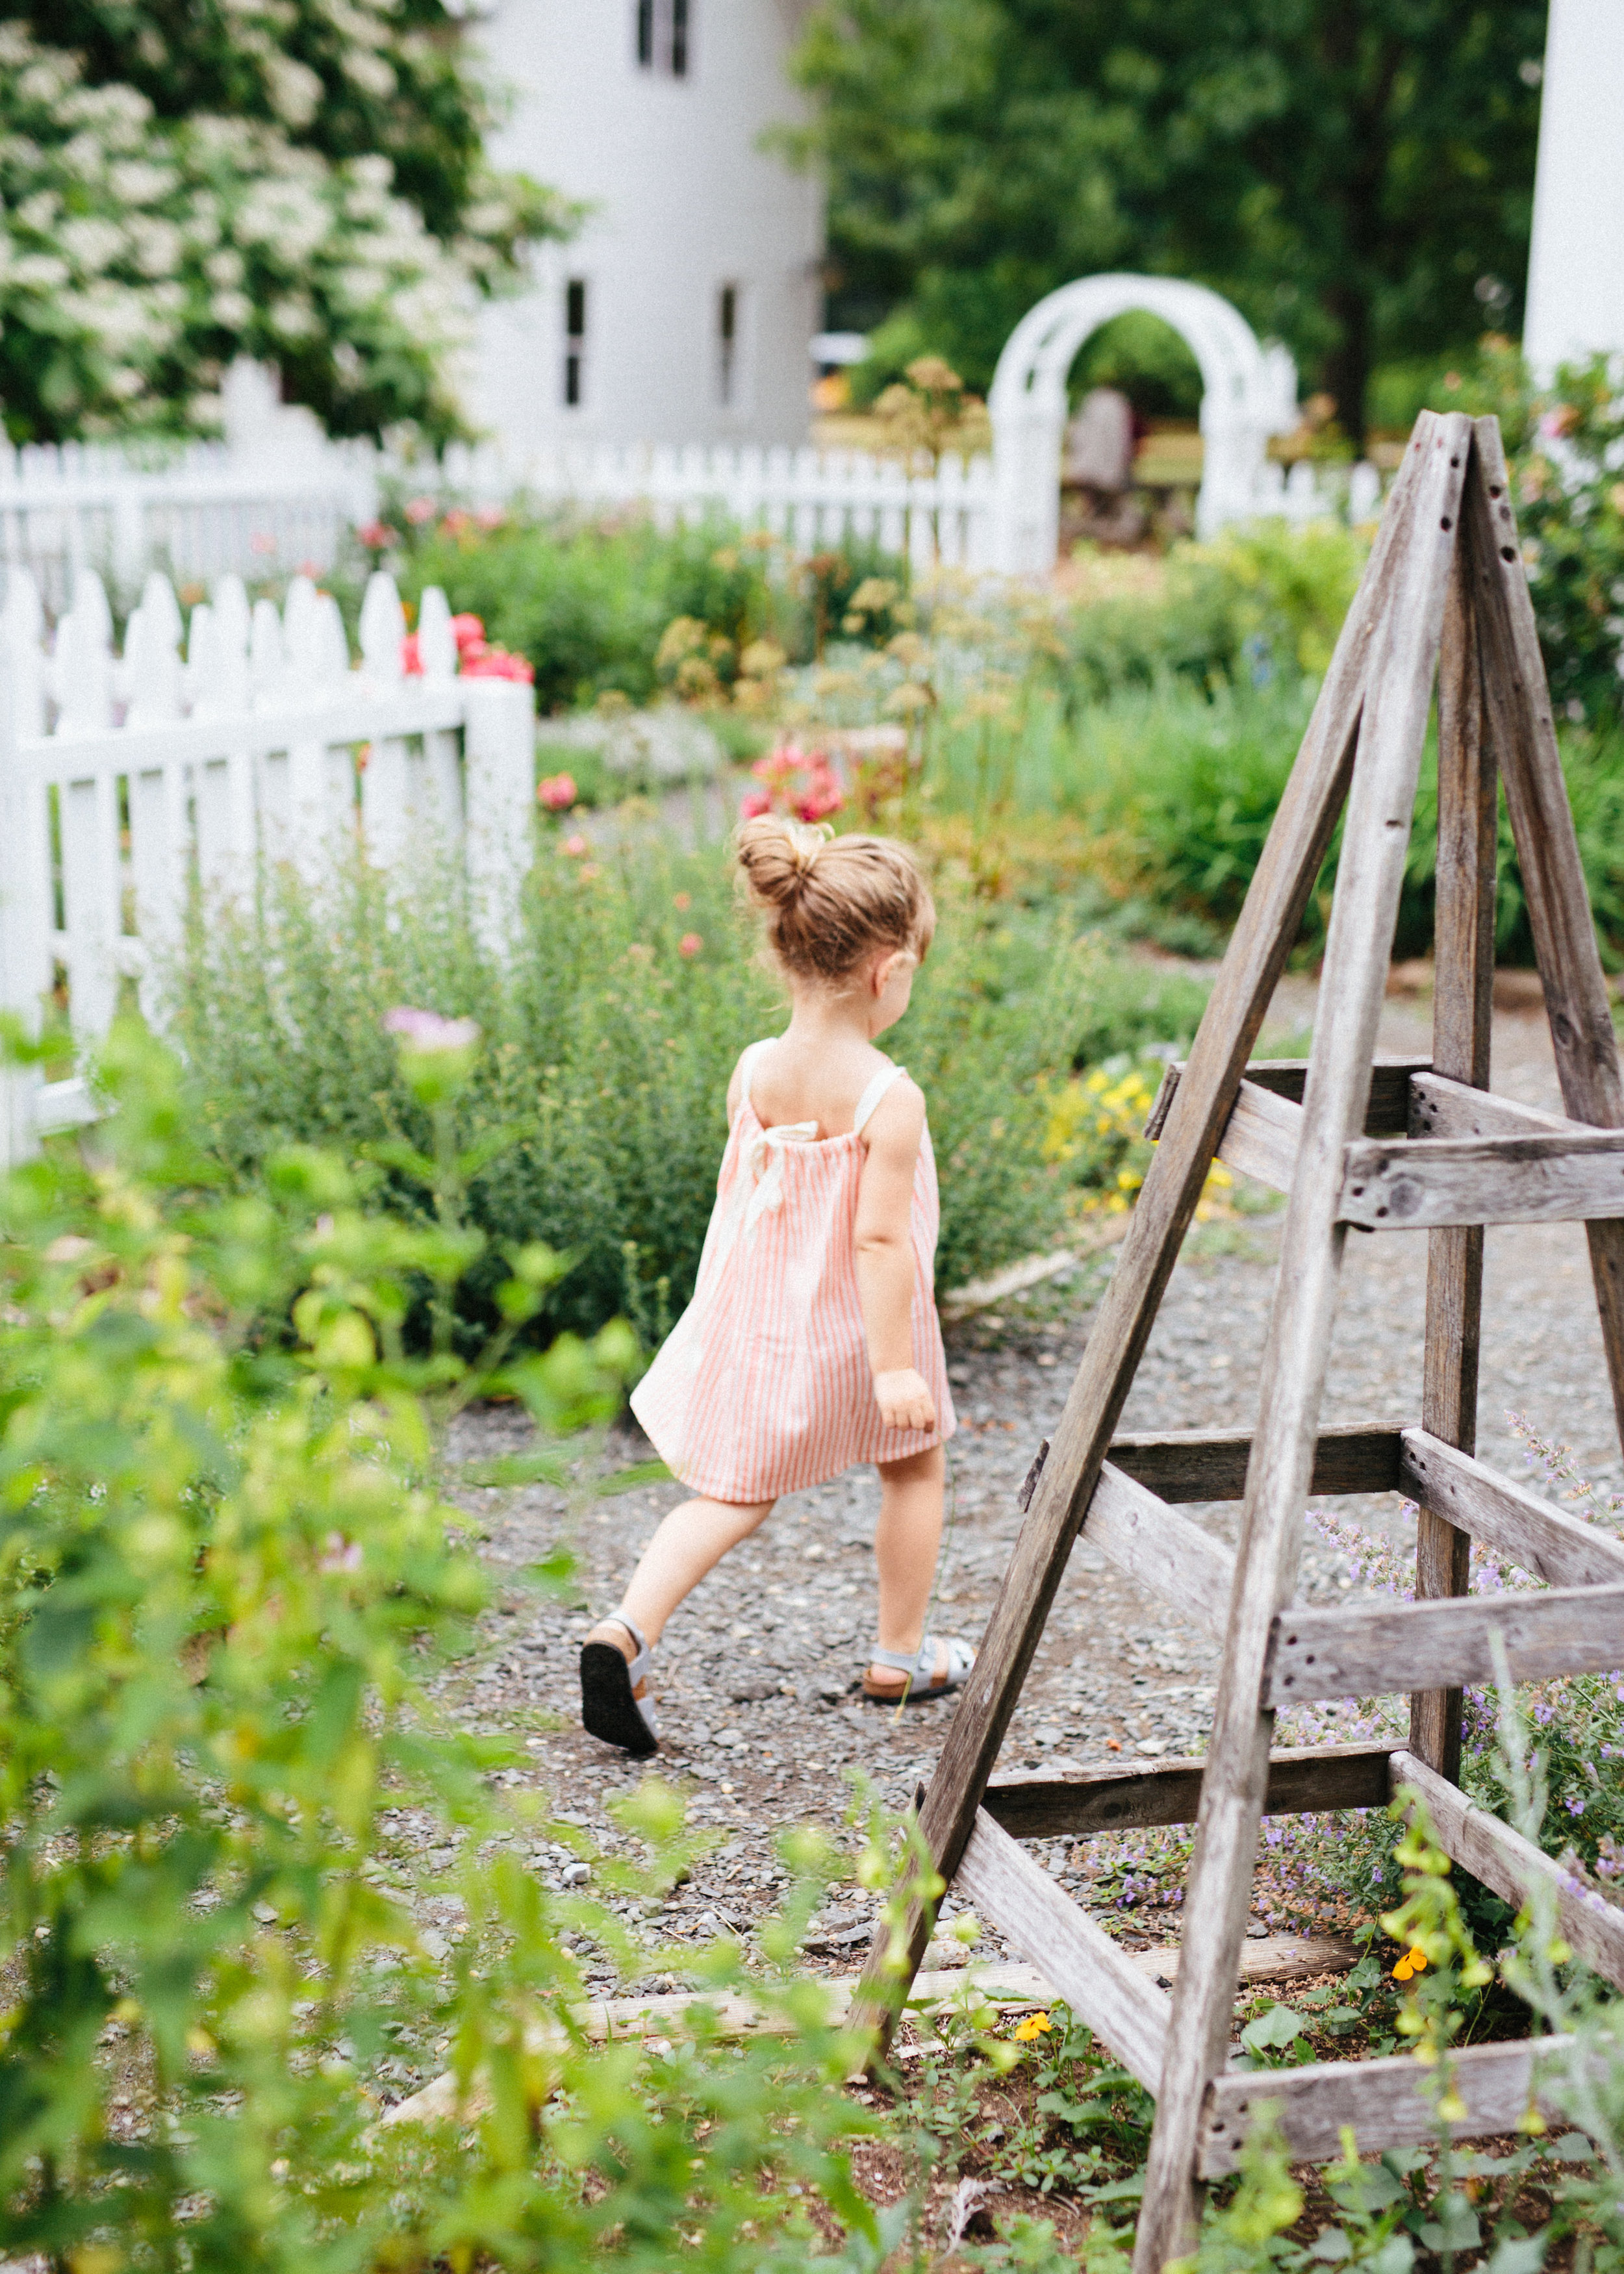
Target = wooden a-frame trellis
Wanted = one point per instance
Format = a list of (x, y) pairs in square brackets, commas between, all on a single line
[(1382, 1145)]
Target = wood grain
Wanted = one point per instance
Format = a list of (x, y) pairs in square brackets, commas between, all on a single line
[(1503, 1860), (1098, 1981), (1389, 2104), (1206, 1465), (1441, 1108), (1410, 597), (1464, 976), (1517, 705), (1260, 1139), (1560, 1548), (1259, 947), (1158, 1549), (1386, 1113), (1368, 1650), (1393, 1185), (1303, 1781)]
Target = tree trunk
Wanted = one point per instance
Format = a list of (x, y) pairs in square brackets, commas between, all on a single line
[(1347, 367)]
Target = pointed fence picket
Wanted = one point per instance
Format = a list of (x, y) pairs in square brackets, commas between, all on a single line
[(131, 784)]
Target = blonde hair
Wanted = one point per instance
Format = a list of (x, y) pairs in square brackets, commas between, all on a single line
[(830, 902)]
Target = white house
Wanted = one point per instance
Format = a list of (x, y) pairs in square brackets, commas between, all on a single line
[(684, 309), (1575, 274)]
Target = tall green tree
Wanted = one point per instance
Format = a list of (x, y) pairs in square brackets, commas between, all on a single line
[(1356, 175), (302, 181)]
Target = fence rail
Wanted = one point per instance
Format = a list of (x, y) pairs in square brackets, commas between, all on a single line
[(258, 512), (130, 784)]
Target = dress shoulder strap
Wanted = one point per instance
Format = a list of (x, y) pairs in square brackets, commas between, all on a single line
[(873, 1094)]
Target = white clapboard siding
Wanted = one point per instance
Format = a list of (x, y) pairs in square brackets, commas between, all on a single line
[(128, 782)]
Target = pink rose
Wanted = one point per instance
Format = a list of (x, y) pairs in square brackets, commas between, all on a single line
[(752, 802), (419, 510), (376, 535), (557, 793), (497, 663), (689, 944), (574, 847), (412, 656)]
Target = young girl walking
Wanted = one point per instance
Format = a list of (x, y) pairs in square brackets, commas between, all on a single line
[(812, 1341)]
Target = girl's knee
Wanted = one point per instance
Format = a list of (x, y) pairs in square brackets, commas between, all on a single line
[(928, 1467)]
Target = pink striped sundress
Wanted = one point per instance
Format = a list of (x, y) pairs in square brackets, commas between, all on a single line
[(763, 1386)]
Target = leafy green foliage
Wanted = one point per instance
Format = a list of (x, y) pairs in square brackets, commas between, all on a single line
[(1358, 180), (227, 1580), (179, 186), (588, 602), (607, 1054)]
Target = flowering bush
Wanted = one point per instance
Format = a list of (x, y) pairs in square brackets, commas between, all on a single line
[(476, 658), (795, 781), (274, 180)]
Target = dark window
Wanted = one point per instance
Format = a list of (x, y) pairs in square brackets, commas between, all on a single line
[(665, 37), (575, 341), (727, 345)]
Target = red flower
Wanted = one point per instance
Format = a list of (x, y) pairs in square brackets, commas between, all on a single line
[(376, 535), (557, 793), (689, 944), (496, 663), (411, 657), (752, 802)]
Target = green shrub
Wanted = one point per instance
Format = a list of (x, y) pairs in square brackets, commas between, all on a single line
[(611, 1033), (226, 1578), (588, 600)]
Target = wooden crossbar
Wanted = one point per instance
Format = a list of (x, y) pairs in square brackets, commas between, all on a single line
[(1366, 1650), (1098, 1980), (1513, 1866), (1304, 1780), (1159, 1548), (1353, 1140), (1202, 1464), (1392, 1184), (1385, 2104)]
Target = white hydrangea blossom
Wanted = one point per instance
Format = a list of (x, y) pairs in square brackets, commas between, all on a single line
[(139, 255)]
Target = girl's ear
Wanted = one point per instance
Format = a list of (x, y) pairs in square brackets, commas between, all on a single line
[(880, 978)]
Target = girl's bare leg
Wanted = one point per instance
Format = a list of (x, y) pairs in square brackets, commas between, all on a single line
[(906, 1540), (691, 1541)]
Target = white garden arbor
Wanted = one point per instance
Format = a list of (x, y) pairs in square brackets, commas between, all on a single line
[(1250, 393)]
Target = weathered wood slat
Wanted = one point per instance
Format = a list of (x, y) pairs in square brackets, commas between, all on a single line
[(1517, 707), (1203, 1465), (1099, 1983), (1462, 1023), (1386, 1114), (1303, 1781), (1390, 1185), (1503, 1860), (1368, 1650), (1439, 1107), (1560, 1548), (1159, 1548), (1389, 2104), (1370, 875), (1260, 1137)]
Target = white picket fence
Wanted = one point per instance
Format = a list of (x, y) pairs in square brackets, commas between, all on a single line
[(200, 512), (810, 498), (259, 513), (129, 785)]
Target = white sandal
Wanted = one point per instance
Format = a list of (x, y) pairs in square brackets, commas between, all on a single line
[(610, 1707), (921, 1679)]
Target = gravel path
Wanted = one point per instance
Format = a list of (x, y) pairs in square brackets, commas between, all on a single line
[(752, 1674)]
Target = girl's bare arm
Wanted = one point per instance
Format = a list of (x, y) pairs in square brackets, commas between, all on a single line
[(885, 1256)]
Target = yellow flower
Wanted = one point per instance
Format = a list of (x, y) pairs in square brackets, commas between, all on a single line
[(1403, 1971), (1035, 2025)]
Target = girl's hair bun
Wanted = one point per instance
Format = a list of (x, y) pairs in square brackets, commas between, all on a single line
[(830, 901), (777, 856)]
